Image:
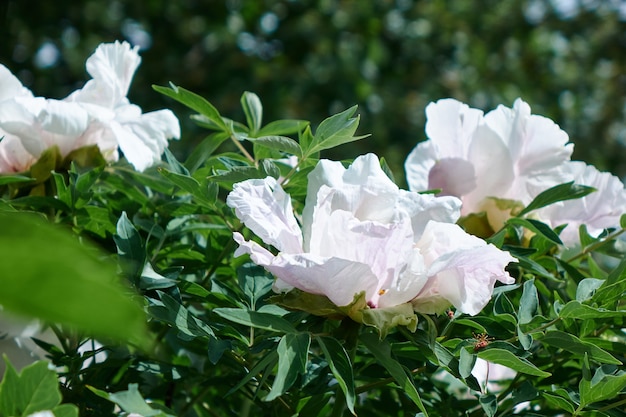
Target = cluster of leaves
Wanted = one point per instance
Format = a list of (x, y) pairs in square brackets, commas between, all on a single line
[(189, 330)]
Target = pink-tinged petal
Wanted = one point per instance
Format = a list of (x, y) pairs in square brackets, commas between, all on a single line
[(384, 247), (407, 285), (599, 210), (423, 208), (450, 125), (462, 270), (493, 169), (453, 176), (263, 206), (13, 156), (338, 279), (537, 145), (418, 165), (10, 86), (363, 189)]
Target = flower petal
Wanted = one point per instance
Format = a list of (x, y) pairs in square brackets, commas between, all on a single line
[(338, 279), (265, 208)]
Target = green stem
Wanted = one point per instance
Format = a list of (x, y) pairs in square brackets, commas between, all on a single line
[(596, 245), (242, 149)]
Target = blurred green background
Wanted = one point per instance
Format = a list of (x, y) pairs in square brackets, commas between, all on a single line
[(310, 58)]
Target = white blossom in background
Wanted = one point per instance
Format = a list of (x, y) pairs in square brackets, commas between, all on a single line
[(116, 122), (361, 233), (98, 114), (13, 156), (509, 154)]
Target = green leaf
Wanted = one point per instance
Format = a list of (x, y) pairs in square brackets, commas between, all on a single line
[(279, 143), (267, 362), (204, 149), (558, 402), (466, 363), (341, 367), (253, 110), (334, 131), (130, 248), (130, 401), (283, 127), (614, 288), (74, 285), (180, 318), (573, 344), (256, 319), (489, 403), (194, 102), (11, 179), (382, 352), (607, 382), (509, 359), (65, 410), (587, 288), (35, 388), (293, 353), (576, 310), (529, 302), (537, 227), (561, 192), (254, 282)]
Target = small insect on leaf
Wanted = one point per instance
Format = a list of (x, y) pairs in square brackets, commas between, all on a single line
[(482, 340)]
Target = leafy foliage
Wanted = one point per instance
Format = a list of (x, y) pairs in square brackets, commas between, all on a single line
[(219, 343)]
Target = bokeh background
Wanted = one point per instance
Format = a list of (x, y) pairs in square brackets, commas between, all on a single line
[(310, 58)]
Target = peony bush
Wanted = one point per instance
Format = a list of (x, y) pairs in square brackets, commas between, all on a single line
[(258, 277)]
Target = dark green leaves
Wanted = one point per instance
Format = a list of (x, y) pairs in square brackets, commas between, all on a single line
[(293, 350), (340, 366)]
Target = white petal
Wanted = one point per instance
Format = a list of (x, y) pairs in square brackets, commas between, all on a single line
[(462, 269), (599, 210), (112, 67), (418, 165), (135, 150), (338, 279), (265, 208), (13, 156), (422, 208), (10, 86), (450, 125), (407, 285)]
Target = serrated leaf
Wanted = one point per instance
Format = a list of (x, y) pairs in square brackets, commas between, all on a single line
[(253, 110), (74, 284), (382, 352), (510, 360), (561, 192), (293, 353), (256, 319), (341, 367), (194, 102), (573, 344)]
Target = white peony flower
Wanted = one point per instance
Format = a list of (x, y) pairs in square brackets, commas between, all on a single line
[(508, 154), (98, 114), (360, 233), (116, 122)]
